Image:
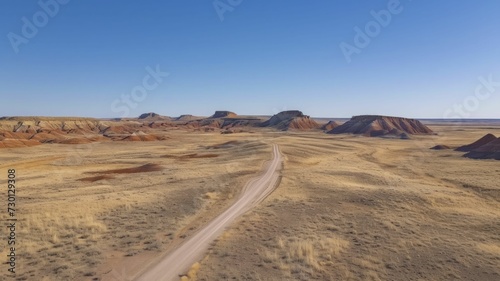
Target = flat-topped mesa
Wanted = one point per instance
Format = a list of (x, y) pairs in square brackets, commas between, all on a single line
[(376, 125), (47, 118), (291, 119), (35, 125), (224, 114), (223, 119), (187, 117), (30, 131), (149, 115)]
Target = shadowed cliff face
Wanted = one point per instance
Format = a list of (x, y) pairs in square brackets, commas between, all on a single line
[(148, 115), (330, 126), (477, 144), (373, 125), (487, 147)]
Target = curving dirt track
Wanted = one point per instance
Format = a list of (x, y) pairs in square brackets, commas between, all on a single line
[(183, 257)]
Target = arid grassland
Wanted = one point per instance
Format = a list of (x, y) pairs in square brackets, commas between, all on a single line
[(357, 208), (347, 207), (103, 211)]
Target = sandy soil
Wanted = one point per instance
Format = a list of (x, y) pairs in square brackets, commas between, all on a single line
[(103, 211), (357, 208), (177, 262), (348, 207)]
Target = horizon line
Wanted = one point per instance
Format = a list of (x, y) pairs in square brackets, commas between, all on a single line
[(243, 115)]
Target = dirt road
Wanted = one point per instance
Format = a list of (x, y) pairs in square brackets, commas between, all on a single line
[(182, 258)]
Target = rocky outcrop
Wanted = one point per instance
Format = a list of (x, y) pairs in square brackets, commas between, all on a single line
[(378, 126), (224, 114), (291, 120), (485, 148), (330, 126), (187, 117), (151, 116), (477, 144)]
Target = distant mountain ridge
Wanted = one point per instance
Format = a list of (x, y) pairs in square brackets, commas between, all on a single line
[(28, 131)]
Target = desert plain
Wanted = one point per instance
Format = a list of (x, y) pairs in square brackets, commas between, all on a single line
[(347, 206)]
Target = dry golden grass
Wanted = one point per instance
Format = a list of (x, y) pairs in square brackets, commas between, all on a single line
[(191, 275), (305, 255), (396, 210), (347, 208), (111, 227)]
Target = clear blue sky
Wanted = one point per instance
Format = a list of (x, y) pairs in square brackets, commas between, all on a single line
[(265, 56)]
